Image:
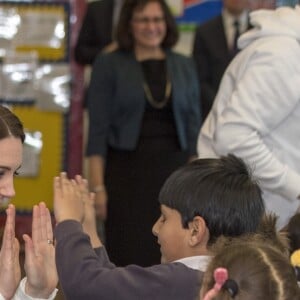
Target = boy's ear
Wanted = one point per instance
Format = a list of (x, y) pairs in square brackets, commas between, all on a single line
[(198, 231)]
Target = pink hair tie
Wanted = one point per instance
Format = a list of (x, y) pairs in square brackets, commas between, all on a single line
[(220, 276)]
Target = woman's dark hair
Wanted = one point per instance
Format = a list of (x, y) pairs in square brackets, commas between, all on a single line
[(10, 125), (124, 36)]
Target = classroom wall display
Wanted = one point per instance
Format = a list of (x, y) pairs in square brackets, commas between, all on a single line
[(189, 14), (35, 82), (39, 26), (32, 35), (32, 148), (18, 77), (195, 11), (43, 156), (53, 87)]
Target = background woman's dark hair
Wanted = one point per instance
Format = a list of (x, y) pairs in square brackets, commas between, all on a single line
[(124, 36), (10, 125)]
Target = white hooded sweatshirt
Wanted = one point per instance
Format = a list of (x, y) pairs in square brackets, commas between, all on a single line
[(256, 113)]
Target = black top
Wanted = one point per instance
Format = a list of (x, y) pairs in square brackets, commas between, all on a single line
[(157, 122)]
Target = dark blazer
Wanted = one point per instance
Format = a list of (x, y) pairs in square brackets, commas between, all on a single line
[(212, 57), (95, 32), (116, 101)]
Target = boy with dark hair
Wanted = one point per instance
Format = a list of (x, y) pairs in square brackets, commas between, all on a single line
[(199, 202), (210, 197)]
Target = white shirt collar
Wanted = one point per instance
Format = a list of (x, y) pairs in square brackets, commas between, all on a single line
[(242, 18), (196, 262), (228, 20)]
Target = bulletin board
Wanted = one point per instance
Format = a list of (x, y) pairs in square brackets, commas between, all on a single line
[(195, 11), (189, 14), (36, 85), (42, 26), (33, 189)]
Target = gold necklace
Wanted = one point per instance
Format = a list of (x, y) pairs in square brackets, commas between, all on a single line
[(152, 101)]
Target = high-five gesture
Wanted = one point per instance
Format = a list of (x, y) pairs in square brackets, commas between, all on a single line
[(89, 220), (68, 203)]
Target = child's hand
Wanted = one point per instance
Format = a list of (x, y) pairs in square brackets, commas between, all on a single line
[(89, 220), (68, 204)]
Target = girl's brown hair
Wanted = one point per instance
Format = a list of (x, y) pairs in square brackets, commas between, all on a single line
[(258, 264)]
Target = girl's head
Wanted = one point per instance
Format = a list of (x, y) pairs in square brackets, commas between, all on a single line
[(11, 139), (252, 267), (147, 24), (256, 272)]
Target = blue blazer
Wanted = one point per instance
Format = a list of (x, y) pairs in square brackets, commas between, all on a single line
[(116, 101)]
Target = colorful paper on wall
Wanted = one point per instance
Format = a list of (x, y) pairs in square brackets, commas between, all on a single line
[(39, 26), (194, 11)]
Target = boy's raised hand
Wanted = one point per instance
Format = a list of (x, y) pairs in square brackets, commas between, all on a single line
[(10, 272), (89, 220), (40, 265), (68, 203)]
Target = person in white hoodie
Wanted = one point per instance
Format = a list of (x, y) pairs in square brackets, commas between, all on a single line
[(256, 112)]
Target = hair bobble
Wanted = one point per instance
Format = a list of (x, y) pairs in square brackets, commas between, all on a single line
[(220, 276), (231, 286), (222, 282)]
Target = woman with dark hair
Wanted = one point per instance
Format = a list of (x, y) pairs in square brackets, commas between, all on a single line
[(144, 115), (41, 277)]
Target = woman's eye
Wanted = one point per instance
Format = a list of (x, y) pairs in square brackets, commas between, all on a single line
[(16, 173)]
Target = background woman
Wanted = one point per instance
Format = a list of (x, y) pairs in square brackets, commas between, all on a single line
[(143, 103)]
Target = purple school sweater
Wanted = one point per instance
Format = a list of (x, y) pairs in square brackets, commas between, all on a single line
[(87, 274)]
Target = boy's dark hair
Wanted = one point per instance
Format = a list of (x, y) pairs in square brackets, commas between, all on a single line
[(123, 34), (221, 191)]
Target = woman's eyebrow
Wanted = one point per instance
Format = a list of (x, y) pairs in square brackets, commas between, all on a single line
[(5, 167)]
